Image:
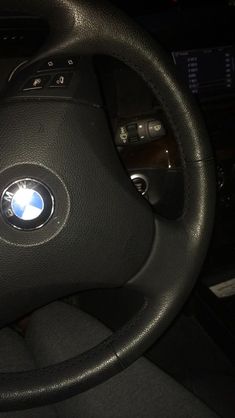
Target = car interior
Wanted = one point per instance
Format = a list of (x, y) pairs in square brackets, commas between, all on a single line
[(117, 213)]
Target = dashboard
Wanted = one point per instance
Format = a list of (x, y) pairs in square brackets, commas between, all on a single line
[(200, 39)]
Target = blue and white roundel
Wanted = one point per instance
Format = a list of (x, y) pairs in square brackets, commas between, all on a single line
[(27, 204)]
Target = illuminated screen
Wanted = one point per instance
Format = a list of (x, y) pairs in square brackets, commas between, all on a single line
[(208, 71)]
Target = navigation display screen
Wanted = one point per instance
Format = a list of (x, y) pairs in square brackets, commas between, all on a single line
[(209, 71)]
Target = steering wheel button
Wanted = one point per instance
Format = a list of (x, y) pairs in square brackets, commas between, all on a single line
[(61, 80), (71, 62), (50, 64), (37, 82)]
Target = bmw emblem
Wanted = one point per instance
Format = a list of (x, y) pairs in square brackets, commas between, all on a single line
[(27, 204)]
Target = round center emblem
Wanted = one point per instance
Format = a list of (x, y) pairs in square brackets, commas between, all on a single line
[(27, 204)]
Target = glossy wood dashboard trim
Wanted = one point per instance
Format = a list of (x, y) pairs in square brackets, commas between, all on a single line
[(161, 153)]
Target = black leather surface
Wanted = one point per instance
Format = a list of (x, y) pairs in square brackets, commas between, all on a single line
[(108, 231), (95, 27), (15, 356), (59, 331)]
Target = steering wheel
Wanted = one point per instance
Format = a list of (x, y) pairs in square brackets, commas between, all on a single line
[(95, 229)]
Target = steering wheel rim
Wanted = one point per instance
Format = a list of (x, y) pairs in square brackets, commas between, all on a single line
[(177, 248)]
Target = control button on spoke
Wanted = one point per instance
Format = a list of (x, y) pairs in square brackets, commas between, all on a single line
[(61, 80), (37, 82), (51, 64), (58, 63), (70, 62)]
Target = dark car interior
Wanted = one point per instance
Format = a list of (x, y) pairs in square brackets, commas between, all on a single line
[(123, 124)]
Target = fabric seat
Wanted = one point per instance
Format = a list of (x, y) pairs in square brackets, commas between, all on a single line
[(60, 331)]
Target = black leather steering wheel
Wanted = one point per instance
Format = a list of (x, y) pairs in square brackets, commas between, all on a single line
[(102, 232)]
